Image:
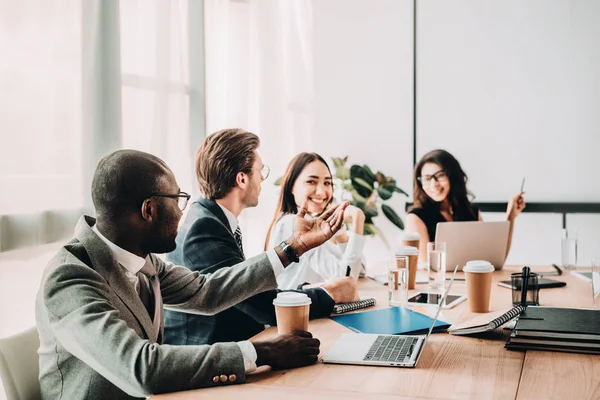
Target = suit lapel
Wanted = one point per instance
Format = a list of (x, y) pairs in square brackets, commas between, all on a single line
[(216, 210), (105, 264), (212, 207)]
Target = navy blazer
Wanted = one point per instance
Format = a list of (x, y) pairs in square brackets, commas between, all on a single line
[(205, 244)]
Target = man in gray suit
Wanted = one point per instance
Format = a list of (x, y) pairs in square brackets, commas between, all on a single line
[(99, 310)]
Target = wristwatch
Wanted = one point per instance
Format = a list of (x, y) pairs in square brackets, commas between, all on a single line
[(289, 252)]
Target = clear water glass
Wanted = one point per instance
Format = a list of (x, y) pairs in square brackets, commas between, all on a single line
[(398, 281), (436, 260), (596, 282), (568, 252)]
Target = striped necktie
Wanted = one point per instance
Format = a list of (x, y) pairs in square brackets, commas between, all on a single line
[(238, 239), (151, 298)]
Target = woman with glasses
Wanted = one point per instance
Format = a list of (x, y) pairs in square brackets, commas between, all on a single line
[(441, 195), (307, 180)]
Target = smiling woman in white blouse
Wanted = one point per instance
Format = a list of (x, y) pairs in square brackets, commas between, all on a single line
[(308, 178)]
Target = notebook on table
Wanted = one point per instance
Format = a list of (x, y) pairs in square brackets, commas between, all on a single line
[(557, 329), (486, 322), (355, 305), (382, 350)]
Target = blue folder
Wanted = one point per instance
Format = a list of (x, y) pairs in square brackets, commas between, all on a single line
[(390, 321)]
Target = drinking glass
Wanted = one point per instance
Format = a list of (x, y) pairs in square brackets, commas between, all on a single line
[(568, 252), (436, 259), (596, 282), (398, 281)]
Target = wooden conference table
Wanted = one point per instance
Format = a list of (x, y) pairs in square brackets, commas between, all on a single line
[(451, 367)]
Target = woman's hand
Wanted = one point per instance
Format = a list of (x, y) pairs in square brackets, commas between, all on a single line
[(353, 213), (356, 217), (515, 206)]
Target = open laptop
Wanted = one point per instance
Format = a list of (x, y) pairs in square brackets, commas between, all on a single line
[(477, 240), (382, 350)]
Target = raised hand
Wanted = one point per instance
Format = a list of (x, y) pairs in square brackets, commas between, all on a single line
[(308, 234), (515, 205), (291, 350)]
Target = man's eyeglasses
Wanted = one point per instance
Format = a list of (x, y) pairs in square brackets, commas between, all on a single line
[(264, 172), (439, 177), (182, 198)]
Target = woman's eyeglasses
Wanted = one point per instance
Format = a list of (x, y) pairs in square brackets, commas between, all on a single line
[(439, 177), (182, 198)]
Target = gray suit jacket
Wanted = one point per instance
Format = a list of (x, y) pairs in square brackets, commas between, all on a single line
[(94, 328)]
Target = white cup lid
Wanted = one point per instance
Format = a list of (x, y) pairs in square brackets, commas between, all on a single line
[(411, 236), (291, 299), (407, 251), (480, 266)]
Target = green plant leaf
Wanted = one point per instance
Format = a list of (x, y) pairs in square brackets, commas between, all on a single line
[(370, 176), (392, 216), (359, 172), (278, 181), (337, 162), (398, 190), (384, 193), (369, 230), (357, 197), (364, 184)]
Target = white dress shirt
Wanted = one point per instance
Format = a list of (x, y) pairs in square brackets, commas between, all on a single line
[(321, 263), (132, 264)]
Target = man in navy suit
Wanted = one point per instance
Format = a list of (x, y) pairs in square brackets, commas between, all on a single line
[(230, 171)]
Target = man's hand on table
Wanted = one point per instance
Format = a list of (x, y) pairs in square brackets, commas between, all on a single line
[(291, 350)]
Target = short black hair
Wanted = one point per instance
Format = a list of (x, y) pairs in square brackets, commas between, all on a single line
[(123, 179)]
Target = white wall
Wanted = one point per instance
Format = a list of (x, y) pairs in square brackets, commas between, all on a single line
[(363, 90), (512, 89)]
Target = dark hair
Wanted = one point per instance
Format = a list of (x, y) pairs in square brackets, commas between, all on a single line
[(286, 203), (221, 157), (459, 196), (123, 179)]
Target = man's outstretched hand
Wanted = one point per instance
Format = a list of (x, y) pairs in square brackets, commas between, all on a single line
[(291, 350), (310, 233)]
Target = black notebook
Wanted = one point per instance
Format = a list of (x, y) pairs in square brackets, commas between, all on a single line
[(559, 323), (479, 324), (355, 305)]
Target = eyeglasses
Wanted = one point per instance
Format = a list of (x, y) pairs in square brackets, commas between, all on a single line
[(264, 172), (182, 198), (439, 177)]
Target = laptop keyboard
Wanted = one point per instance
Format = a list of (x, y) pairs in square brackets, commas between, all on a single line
[(391, 348)]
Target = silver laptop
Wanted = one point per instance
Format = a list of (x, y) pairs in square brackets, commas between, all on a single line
[(477, 240), (382, 350)]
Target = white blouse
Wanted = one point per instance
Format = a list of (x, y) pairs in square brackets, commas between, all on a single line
[(321, 263)]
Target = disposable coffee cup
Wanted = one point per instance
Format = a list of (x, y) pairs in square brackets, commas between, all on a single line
[(411, 239), (413, 259), (478, 274), (291, 310)]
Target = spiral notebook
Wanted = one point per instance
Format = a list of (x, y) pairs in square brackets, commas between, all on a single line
[(479, 324), (355, 305)]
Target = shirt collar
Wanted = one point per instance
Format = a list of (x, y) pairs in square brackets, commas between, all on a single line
[(233, 222), (129, 261)]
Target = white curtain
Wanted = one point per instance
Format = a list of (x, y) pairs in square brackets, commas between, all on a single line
[(155, 82), (259, 78)]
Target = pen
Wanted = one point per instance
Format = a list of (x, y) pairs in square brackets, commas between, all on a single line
[(348, 269), (524, 286)]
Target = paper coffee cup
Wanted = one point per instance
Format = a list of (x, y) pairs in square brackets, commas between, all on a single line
[(478, 274), (291, 310), (413, 258), (411, 239)]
